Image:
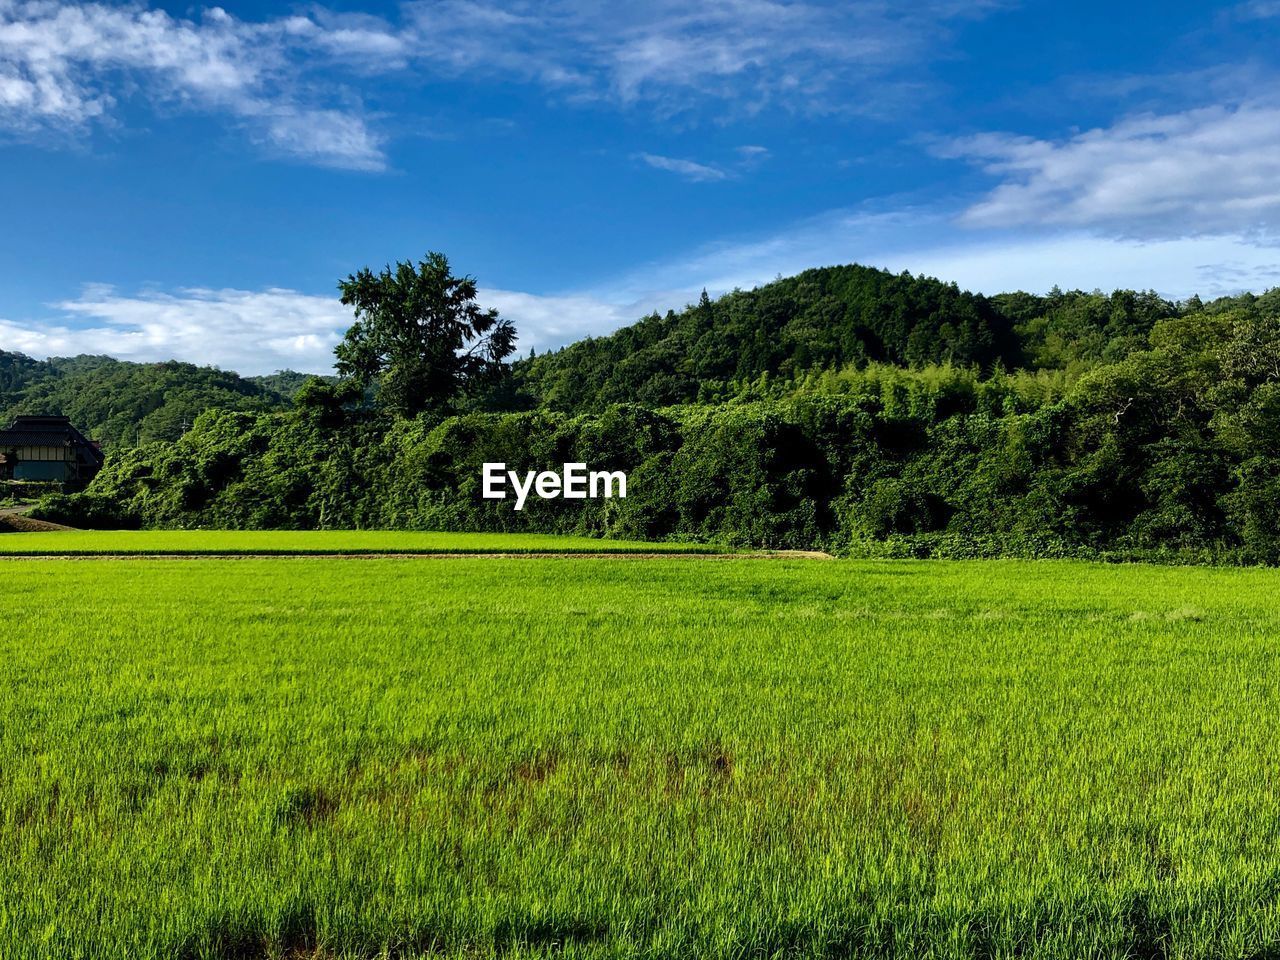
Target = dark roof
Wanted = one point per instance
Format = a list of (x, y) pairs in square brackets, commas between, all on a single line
[(30, 438), (46, 432)]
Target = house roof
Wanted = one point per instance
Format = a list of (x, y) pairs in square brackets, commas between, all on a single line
[(47, 432), (32, 438)]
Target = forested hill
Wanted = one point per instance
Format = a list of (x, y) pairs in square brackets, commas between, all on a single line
[(123, 403), (833, 317), (17, 371), (785, 332), (845, 408)]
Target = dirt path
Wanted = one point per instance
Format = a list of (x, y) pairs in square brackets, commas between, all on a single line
[(15, 519)]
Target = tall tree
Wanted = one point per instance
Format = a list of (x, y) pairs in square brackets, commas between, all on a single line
[(421, 336)]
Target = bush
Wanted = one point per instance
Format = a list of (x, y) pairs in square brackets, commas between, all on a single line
[(28, 489)]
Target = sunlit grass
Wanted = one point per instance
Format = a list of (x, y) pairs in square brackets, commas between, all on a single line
[(223, 542), (413, 757)]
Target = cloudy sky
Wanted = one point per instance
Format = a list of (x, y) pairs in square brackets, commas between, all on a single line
[(191, 182)]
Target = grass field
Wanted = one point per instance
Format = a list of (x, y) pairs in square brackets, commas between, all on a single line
[(667, 758), (302, 543)]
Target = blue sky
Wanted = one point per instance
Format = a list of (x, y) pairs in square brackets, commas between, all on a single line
[(190, 182)]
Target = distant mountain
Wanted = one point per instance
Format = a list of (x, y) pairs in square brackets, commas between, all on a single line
[(120, 402)]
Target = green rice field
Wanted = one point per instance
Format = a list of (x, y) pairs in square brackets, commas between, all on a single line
[(574, 757), (310, 542)]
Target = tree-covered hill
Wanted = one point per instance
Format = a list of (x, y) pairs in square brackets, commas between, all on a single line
[(285, 383), (17, 371), (1172, 452), (846, 408), (831, 318), (124, 403)]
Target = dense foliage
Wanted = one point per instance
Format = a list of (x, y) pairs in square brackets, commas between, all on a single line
[(420, 338), (1072, 423), (17, 371), (122, 403), (285, 383), (833, 318)]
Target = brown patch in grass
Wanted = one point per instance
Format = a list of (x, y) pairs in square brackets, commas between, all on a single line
[(306, 805), (538, 768), (721, 764)]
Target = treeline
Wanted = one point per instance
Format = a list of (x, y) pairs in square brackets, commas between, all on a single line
[(829, 319), (846, 408), (1171, 451), (744, 345), (123, 403)]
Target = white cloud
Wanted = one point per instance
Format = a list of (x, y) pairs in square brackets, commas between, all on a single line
[(754, 53), (65, 65), (248, 331), (546, 322), (328, 137), (255, 332), (744, 159), (1258, 10), (1212, 170), (675, 56), (986, 261), (689, 169), (1177, 268)]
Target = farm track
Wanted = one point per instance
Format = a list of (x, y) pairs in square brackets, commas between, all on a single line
[(14, 519)]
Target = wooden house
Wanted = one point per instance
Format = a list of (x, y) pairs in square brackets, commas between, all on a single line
[(48, 449)]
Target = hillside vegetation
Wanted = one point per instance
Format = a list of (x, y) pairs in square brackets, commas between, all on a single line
[(846, 409), (832, 319), (123, 403)]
